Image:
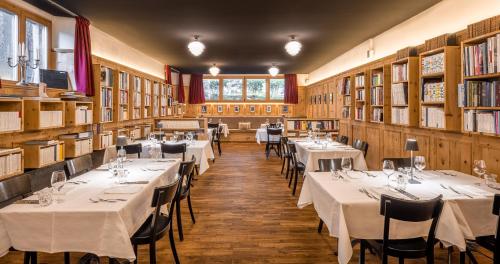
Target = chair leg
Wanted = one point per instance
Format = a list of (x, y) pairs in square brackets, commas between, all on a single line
[(287, 166), (179, 219), (267, 150), (320, 226), (172, 244), (191, 209), (282, 166), (296, 179), (152, 253), (362, 252), (462, 258), (135, 252), (291, 178), (67, 258), (34, 258), (27, 256), (401, 260), (218, 146)]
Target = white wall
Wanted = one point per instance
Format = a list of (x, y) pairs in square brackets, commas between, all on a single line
[(447, 16)]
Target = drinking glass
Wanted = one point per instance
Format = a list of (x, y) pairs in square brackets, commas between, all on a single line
[(401, 182), (112, 165), (346, 164), (334, 175), (419, 163), (479, 167), (57, 182), (388, 169), (490, 179), (122, 175), (44, 197)]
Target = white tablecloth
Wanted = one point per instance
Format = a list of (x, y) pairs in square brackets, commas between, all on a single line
[(225, 129), (201, 149), (309, 153), (349, 213), (79, 225), (261, 135)]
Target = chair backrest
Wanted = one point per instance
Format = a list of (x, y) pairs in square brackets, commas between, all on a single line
[(133, 149), (399, 162), (329, 164), (186, 170), (176, 148), (274, 131), (272, 125), (163, 195), (80, 165), (110, 153), (361, 145), (292, 150), (284, 145), (15, 188), (410, 211), (213, 125), (342, 139)]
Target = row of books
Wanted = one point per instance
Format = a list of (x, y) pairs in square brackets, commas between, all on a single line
[(51, 154), (377, 78), (83, 146), (482, 58), (106, 115), (377, 96), (137, 99), (123, 81), (399, 115), (359, 81), (433, 92), (123, 114), (81, 135), (51, 119), (433, 64), (123, 97), (83, 115), (360, 113), (347, 100), (307, 125), (399, 94), (10, 121), (346, 112), (399, 72), (432, 117), (10, 164), (106, 77), (106, 139), (346, 87), (378, 114), (482, 121), (360, 95), (106, 97), (146, 112), (479, 93), (136, 113)]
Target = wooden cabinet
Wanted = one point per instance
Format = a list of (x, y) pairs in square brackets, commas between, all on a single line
[(43, 154), (11, 162), (79, 113), (43, 114)]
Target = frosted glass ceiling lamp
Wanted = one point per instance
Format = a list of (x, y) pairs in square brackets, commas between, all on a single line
[(196, 47), (293, 47), (274, 70), (214, 70)]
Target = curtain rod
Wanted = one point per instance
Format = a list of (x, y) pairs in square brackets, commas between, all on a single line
[(62, 8)]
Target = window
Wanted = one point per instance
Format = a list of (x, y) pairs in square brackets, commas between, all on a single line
[(256, 89), (8, 42), (211, 89), (233, 89), (277, 89), (36, 44)]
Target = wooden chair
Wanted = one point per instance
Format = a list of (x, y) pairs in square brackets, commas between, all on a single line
[(78, 166), (361, 145), (184, 192), (175, 148), (157, 224), (297, 166), (132, 149), (285, 154), (342, 139), (399, 162), (272, 142), (407, 211), (216, 137)]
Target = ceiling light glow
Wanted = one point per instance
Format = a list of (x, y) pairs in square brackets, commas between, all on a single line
[(293, 47), (274, 70), (196, 47), (214, 70)]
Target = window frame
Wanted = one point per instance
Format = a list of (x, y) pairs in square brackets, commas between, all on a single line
[(269, 90), (220, 90), (266, 89), (244, 79), (243, 89)]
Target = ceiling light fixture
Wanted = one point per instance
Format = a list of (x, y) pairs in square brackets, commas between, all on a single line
[(274, 70), (293, 47), (214, 70), (196, 47)]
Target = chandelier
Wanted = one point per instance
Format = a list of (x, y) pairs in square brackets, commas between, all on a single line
[(293, 47), (214, 70), (196, 47), (274, 70)]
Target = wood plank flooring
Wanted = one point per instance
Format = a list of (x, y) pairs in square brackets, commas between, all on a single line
[(245, 213)]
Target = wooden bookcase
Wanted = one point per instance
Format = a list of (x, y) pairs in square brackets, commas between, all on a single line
[(347, 98), (404, 92), (43, 114), (134, 132), (104, 90), (380, 95), (156, 99), (103, 140), (42, 155), (76, 147), (146, 129), (478, 117), (11, 162), (361, 95), (79, 113), (296, 127), (11, 115), (164, 97), (439, 71), (136, 98), (122, 97), (146, 100)]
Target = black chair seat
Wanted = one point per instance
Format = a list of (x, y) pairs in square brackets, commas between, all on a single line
[(144, 234), (301, 166), (487, 242), (410, 248)]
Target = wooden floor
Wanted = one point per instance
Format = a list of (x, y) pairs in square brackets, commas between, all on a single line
[(245, 214)]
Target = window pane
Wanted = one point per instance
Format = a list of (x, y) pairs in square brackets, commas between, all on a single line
[(8, 42), (36, 43), (233, 89), (277, 89), (256, 89), (211, 88)]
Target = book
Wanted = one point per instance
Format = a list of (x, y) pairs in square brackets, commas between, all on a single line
[(432, 64), (399, 115), (399, 94), (10, 121), (479, 94), (482, 58), (399, 72), (432, 117), (377, 115), (433, 92)]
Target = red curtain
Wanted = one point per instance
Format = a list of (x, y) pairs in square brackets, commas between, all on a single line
[(196, 93), (291, 90), (84, 77), (168, 74), (180, 90)]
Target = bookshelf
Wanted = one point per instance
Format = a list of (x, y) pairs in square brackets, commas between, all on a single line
[(135, 132), (103, 98), (122, 97), (346, 94), (164, 96), (439, 71), (43, 114), (380, 95), (146, 100), (156, 99), (11, 162), (146, 129), (76, 147), (11, 115), (298, 126), (404, 92), (43, 153), (103, 140), (79, 113), (360, 96), (136, 98), (479, 93)]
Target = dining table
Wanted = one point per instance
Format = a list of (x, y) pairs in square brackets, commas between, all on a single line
[(94, 212), (310, 151), (261, 135), (349, 205)]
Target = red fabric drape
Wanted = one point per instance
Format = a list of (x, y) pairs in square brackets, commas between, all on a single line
[(291, 89), (84, 77), (196, 92), (168, 74), (180, 90)]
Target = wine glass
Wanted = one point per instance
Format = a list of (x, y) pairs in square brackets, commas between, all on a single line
[(57, 182), (419, 163), (346, 164), (334, 174), (112, 167), (479, 167), (388, 169), (490, 180)]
